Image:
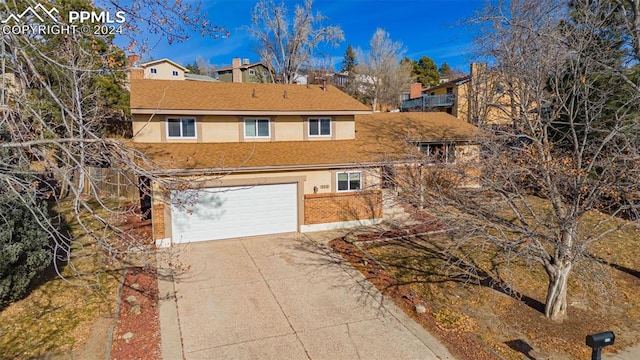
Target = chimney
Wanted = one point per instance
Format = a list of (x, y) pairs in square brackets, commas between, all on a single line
[(416, 90), (133, 61), (133, 65), (236, 73), (477, 69)]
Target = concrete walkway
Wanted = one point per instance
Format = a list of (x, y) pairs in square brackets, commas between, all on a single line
[(281, 297)]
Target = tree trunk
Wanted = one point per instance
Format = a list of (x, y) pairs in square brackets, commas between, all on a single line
[(556, 303)]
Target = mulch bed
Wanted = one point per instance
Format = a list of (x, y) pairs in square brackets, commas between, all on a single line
[(137, 332), (461, 344)]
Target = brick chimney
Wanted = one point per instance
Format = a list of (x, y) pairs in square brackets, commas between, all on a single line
[(133, 65), (416, 90), (236, 73)]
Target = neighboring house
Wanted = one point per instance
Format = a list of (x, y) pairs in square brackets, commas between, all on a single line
[(449, 97), (241, 70), (242, 159), (478, 98), (163, 69)]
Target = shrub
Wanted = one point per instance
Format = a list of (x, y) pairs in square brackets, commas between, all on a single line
[(24, 246)]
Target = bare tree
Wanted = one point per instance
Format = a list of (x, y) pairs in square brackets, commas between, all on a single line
[(381, 74), (572, 142), (56, 115), (288, 45)]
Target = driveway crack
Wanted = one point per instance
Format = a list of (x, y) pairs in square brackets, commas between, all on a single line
[(277, 302)]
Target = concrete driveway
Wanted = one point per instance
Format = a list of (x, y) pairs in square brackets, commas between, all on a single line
[(281, 297)]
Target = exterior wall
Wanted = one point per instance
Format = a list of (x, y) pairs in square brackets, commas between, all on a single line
[(165, 72), (342, 207), (461, 107), (219, 128), (147, 128), (289, 128), (317, 197), (345, 127), (229, 128)]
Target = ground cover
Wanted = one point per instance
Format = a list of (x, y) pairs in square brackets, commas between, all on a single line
[(483, 293)]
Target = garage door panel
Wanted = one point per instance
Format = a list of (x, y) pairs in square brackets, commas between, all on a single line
[(219, 213)]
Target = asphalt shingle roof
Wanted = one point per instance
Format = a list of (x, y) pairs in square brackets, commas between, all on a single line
[(149, 94)]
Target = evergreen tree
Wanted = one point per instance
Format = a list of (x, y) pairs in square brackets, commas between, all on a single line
[(24, 245), (349, 63), (445, 70), (350, 68), (425, 71)]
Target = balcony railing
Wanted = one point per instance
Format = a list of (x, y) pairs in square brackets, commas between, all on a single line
[(428, 101)]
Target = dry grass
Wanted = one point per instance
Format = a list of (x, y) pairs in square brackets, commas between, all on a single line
[(57, 316), (486, 292)]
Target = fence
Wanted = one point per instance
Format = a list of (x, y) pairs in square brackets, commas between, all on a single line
[(110, 183)]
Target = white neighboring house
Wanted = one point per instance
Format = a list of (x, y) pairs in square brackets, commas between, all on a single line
[(163, 69)]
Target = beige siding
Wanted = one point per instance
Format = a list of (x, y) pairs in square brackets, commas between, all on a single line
[(345, 128), (147, 128), (164, 72), (289, 128), (220, 129)]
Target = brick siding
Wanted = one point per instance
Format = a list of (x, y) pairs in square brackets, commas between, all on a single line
[(336, 207), (158, 221)]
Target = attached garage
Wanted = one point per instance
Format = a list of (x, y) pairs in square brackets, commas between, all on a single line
[(236, 211)]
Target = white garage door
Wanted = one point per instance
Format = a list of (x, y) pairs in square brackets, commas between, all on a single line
[(228, 212)]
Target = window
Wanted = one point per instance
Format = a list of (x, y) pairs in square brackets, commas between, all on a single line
[(252, 72), (175, 73), (153, 70), (320, 127), (181, 128), (349, 181), (439, 153), (256, 128)]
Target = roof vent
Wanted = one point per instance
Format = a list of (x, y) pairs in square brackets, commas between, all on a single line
[(253, 94)]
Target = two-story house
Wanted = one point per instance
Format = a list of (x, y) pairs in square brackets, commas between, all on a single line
[(478, 98), (242, 159), (241, 70)]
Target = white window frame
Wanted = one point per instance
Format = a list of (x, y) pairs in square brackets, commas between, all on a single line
[(255, 122), (195, 128), (349, 173), (175, 73), (448, 147), (319, 120), (153, 70), (252, 72)]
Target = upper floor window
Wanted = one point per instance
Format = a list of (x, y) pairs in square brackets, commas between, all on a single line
[(256, 128), (320, 127), (153, 70), (175, 73), (252, 72), (439, 153), (349, 180), (184, 128)]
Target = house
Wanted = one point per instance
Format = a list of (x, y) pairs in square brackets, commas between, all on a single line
[(241, 70), (162, 69), (242, 159), (478, 98)]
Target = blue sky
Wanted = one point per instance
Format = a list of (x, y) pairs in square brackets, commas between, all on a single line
[(425, 27)]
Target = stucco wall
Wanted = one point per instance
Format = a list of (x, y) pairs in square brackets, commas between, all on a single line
[(164, 72), (230, 128)]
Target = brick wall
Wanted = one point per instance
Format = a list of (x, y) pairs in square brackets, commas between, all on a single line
[(335, 207), (158, 221)]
